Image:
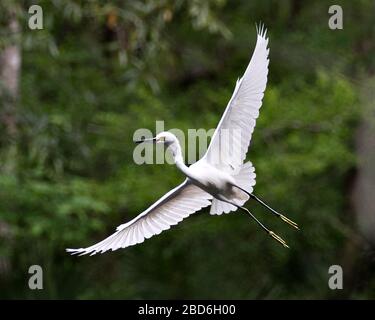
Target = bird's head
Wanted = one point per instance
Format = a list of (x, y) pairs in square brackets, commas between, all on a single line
[(166, 138)]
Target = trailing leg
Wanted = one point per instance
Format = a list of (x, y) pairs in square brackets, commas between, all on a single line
[(282, 217), (269, 232)]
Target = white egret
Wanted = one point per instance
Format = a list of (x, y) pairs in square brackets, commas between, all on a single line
[(225, 183)]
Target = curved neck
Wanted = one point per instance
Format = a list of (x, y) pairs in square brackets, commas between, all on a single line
[(175, 148), (183, 168)]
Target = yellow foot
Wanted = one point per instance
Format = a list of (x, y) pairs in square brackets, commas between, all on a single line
[(288, 221), (278, 238)]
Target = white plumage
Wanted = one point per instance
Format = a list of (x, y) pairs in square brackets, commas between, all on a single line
[(241, 112), (220, 178), (172, 208)]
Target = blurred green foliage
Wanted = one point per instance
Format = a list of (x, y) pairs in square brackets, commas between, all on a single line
[(97, 72)]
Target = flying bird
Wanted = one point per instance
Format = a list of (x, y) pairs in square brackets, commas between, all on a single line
[(221, 178)]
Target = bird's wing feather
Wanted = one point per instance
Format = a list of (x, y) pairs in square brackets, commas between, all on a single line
[(169, 210), (231, 139)]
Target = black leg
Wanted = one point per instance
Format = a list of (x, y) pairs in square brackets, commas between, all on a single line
[(282, 217), (269, 232)]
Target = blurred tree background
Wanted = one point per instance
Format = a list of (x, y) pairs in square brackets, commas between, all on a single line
[(72, 95)]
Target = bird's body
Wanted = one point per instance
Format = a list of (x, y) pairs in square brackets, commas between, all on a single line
[(221, 178), (220, 184)]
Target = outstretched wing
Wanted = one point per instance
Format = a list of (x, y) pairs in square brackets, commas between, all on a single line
[(231, 139), (169, 210)]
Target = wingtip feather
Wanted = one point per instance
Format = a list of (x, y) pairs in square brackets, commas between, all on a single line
[(261, 30)]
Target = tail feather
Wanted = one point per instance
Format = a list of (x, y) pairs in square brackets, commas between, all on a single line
[(244, 179), (219, 207)]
